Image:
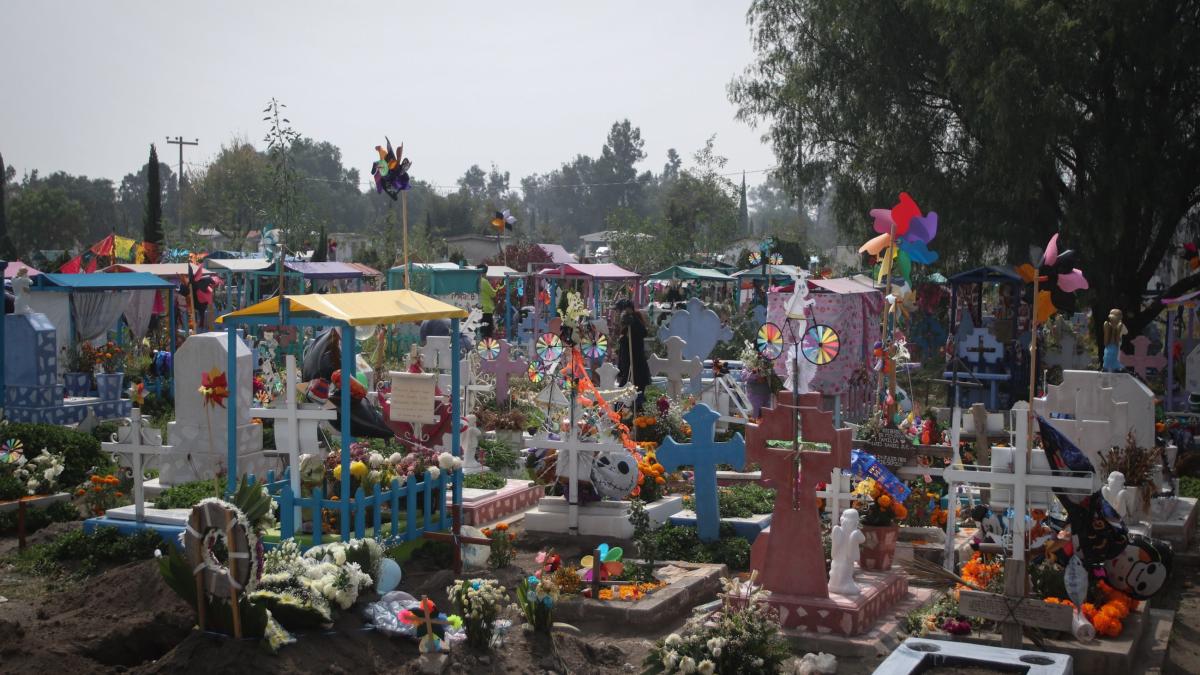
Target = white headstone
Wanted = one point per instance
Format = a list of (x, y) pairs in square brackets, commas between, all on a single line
[(199, 432), (1103, 409), (676, 368), (608, 375), (435, 355)]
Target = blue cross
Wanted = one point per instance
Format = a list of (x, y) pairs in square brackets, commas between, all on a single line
[(704, 455)]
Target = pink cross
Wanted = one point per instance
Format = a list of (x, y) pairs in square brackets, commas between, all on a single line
[(503, 367), (1140, 360)]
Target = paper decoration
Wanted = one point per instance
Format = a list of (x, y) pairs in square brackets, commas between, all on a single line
[(412, 397)]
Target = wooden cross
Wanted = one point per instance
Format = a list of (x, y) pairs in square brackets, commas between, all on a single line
[(675, 367), (295, 419), (1141, 360), (703, 454), (570, 448), (136, 447), (503, 367), (455, 537), (429, 641), (795, 523), (1014, 610)]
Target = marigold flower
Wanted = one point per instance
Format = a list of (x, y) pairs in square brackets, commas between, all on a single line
[(660, 480), (120, 494), (885, 501), (502, 526)]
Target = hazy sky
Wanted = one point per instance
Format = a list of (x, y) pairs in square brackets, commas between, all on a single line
[(527, 85)]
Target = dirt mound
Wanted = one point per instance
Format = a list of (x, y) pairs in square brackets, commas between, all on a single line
[(124, 617)]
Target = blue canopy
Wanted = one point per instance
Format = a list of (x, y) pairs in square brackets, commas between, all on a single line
[(115, 281)]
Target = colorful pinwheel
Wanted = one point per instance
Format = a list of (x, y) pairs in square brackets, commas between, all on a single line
[(214, 387), (137, 393), (610, 563), (503, 220), (912, 234), (391, 170), (1058, 280), (769, 343), (488, 348), (11, 451), (549, 347), (820, 344)]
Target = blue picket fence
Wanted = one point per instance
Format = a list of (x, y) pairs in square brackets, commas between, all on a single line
[(366, 510)]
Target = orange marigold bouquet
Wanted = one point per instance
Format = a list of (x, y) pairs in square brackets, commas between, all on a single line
[(878, 508)]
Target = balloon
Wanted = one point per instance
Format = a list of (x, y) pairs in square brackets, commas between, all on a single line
[(1142, 568), (389, 576)]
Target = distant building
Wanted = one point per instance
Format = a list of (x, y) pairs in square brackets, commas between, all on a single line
[(350, 245), (599, 244), (475, 247)]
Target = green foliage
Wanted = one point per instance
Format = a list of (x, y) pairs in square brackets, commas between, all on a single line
[(104, 431), (152, 229), (83, 554), (187, 495), (498, 456), (488, 480), (10, 487), (1189, 486), (36, 519), (81, 452), (1022, 118), (740, 501), (678, 542)]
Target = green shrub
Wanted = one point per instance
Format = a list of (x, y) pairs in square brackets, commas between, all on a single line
[(81, 452), (10, 487), (488, 480), (36, 519), (1189, 486), (679, 542), (498, 456), (187, 495), (740, 501), (104, 431), (86, 554)]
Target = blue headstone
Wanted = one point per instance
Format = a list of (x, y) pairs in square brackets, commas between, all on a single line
[(703, 454), (698, 326)]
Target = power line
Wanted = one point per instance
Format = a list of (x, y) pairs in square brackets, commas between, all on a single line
[(178, 140)]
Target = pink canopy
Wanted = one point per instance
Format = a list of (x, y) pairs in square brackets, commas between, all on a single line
[(14, 268), (599, 271)]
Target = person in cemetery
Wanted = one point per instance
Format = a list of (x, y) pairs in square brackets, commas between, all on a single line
[(631, 351), (673, 293), (487, 303)]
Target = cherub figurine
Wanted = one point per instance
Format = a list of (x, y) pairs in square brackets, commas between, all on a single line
[(847, 539), (20, 285)]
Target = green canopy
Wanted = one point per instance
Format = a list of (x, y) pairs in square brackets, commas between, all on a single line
[(691, 274)]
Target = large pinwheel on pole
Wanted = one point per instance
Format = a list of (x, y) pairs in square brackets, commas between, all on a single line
[(391, 177), (903, 238)]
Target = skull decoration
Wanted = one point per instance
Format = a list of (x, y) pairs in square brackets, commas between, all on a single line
[(614, 474)]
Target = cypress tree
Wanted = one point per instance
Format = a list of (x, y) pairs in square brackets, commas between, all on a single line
[(7, 250), (152, 230)]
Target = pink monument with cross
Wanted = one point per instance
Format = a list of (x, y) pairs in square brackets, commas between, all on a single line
[(1141, 358), (503, 367), (781, 555)]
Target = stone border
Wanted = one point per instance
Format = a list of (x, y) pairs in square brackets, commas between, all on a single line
[(658, 608)]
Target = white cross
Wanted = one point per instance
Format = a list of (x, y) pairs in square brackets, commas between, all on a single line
[(836, 493), (608, 375), (1067, 357), (136, 447), (675, 367), (1020, 479), (570, 448), (292, 415)]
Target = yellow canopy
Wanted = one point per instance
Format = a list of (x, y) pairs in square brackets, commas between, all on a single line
[(360, 309)]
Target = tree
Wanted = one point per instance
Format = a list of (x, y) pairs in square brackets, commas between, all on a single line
[(47, 218), (1012, 120), (233, 195), (286, 209), (152, 227), (618, 185), (7, 250), (132, 199), (321, 250)]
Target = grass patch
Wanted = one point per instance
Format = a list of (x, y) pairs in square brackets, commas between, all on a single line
[(678, 542), (79, 554), (36, 519), (488, 480), (187, 495), (740, 501)]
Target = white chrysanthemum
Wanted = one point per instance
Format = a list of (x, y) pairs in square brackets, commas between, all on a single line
[(434, 472), (706, 667), (674, 640), (687, 665)]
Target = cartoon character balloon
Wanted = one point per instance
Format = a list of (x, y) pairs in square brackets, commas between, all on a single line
[(1142, 569)]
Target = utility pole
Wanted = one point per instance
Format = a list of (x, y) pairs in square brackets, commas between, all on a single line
[(178, 140)]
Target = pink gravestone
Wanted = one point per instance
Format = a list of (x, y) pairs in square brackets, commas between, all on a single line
[(783, 554), (504, 366)]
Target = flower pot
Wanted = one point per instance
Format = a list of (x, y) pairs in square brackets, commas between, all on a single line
[(77, 384), (759, 393), (879, 547), (108, 385)]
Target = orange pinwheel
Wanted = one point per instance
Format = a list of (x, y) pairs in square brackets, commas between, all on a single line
[(214, 387)]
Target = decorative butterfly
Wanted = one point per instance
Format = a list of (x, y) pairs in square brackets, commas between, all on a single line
[(391, 170), (503, 220), (610, 563)]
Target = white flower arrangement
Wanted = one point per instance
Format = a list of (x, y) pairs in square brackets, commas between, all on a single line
[(449, 462), (478, 602), (306, 586), (40, 474)]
